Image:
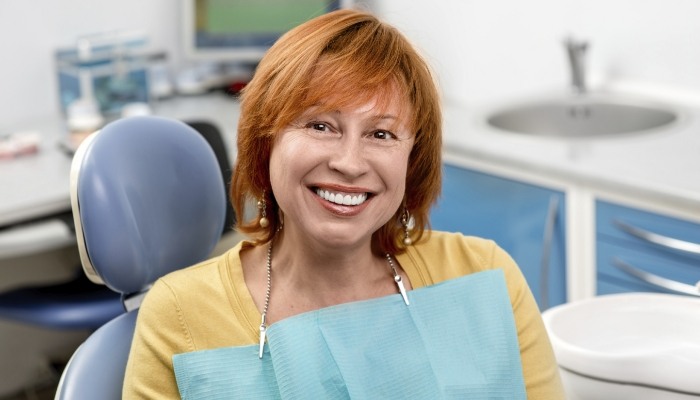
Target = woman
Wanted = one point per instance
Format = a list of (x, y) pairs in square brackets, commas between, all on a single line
[(341, 293)]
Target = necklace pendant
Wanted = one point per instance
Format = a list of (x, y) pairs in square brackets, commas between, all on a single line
[(263, 332), (402, 289), (397, 279)]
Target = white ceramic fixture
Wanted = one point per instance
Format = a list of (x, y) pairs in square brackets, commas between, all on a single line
[(628, 346)]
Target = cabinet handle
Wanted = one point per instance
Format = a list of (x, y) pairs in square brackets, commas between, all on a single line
[(655, 280), (547, 243), (661, 240)]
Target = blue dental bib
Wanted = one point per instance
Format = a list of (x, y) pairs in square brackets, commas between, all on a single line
[(457, 340)]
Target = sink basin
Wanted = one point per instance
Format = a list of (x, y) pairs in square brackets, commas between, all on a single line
[(582, 117), (634, 340)]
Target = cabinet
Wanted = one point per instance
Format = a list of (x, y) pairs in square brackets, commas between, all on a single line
[(524, 219), (638, 250)]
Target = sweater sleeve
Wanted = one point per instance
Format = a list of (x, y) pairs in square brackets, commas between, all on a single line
[(540, 371), (160, 333)]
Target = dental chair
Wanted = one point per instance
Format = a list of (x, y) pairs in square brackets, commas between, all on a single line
[(76, 303), (73, 303), (147, 199)]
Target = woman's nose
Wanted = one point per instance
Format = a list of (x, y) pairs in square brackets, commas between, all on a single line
[(349, 157)]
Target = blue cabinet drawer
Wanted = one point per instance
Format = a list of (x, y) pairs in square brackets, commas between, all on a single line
[(621, 268), (527, 221), (660, 234)]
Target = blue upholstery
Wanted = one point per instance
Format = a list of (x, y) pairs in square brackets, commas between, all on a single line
[(148, 199), (96, 370), (72, 304), (76, 304)]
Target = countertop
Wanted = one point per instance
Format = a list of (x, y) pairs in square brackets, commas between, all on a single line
[(663, 165), (37, 185)]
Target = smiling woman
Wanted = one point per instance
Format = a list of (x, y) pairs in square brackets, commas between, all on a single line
[(346, 154), (339, 143), (329, 64)]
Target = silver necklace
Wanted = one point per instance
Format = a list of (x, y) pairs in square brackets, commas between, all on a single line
[(263, 322)]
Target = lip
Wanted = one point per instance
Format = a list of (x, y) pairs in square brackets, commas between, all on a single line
[(341, 188), (339, 209)]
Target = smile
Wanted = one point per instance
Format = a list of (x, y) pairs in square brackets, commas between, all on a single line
[(342, 198)]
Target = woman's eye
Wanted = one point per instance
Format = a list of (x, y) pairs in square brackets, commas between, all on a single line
[(318, 126), (383, 135)]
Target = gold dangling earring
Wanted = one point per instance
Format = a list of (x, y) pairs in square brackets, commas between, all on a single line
[(406, 222), (262, 205)]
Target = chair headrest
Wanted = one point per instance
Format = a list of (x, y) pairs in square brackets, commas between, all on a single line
[(147, 199)]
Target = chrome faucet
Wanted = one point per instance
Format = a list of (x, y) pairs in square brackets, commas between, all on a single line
[(576, 50)]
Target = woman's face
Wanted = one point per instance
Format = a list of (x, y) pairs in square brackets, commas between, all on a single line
[(340, 175)]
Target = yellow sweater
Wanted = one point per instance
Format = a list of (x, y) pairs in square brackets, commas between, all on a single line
[(208, 306)]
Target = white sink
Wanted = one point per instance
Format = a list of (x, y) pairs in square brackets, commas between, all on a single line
[(583, 116), (635, 341)]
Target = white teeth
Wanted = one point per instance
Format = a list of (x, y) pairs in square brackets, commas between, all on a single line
[(339, 198)]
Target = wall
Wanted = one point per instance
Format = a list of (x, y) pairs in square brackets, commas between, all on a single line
[(31, 30), (483, 51), (490, 51)]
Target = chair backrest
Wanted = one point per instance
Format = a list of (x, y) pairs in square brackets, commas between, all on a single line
[(147, 199)]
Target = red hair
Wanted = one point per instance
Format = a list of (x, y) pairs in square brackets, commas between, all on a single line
[(353, 54)]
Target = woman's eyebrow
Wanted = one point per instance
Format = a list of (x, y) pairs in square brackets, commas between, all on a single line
[(313, 110)]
